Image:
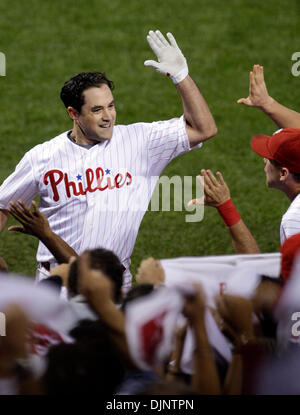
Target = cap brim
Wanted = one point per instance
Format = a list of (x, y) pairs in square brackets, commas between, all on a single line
[(260, 144)]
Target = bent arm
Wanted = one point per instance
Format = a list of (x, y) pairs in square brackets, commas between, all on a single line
[(242, 239), (200, 122)]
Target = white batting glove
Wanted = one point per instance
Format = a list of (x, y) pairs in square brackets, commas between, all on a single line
[(171, 61)]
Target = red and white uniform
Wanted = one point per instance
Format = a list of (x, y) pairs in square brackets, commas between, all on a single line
[(96, 197)]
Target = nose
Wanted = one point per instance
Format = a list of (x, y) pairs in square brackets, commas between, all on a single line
[(106, 115)]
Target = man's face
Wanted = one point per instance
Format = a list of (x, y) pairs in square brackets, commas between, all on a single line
[(98, 114), (272, 174)]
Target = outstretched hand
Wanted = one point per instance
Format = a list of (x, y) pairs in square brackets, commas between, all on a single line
[(258, 93), (33, 221), (216, 191), (171, 61)]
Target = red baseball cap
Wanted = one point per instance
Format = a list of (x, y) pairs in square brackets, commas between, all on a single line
[(283, 147), (289, 249)]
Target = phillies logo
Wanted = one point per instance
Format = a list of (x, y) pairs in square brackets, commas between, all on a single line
[(55, 177)]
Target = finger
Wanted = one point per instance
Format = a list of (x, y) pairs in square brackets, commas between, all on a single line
[(207, 182), (19, 218), (195, 202), (25, 208), (260, 74), (151, 63), (17, 209), (16, 229), (172, 40), (151, 38), (220, 177), (35, 208), (212, 178), (244, 101), (162, 39)]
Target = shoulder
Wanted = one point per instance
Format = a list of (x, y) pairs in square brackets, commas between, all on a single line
[(50, 146)]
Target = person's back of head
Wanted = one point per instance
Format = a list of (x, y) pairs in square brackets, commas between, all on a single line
[(103, 260)]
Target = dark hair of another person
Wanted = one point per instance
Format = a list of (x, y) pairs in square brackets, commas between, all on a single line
[(105, 261), (90, 366), (137, 292), (71, 93), (296, 176)]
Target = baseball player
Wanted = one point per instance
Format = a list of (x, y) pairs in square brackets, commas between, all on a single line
[(96, 180), (259, 97)]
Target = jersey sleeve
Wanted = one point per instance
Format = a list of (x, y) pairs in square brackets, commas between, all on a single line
[(289, 227), (21, 184), (167, 140)]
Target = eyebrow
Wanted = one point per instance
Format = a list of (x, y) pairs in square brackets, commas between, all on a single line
[(99, 107)]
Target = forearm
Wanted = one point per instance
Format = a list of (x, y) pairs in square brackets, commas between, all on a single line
[(282, 116), (205, 380), (234, 377), (196, 111), (242, 239), (58, 247)]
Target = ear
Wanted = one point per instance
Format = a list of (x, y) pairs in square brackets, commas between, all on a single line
[(73, 113), (284, 174)]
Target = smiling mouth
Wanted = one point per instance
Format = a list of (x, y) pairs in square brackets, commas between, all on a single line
[(105, 126)]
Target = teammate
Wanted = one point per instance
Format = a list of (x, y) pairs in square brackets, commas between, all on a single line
[(259, 97), (91, 179)]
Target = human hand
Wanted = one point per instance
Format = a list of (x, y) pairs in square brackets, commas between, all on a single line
[(237, 315), (150, 271), (171, 61), (216, 191), (34, 222), (258, 93)]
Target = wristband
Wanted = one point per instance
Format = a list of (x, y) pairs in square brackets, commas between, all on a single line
[(229, 213)]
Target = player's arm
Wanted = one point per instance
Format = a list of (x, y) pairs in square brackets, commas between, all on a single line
[(35, 223), (171, 62), (217, 194), (260, 98)]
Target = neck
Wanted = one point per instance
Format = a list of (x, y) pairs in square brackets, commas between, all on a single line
[(292, 192), (78, 136)]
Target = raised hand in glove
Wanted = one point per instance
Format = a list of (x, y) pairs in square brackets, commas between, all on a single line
[(171, 61)]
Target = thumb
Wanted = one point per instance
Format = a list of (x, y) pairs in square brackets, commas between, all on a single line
[(16, 229), (244, 101), (151, 63)]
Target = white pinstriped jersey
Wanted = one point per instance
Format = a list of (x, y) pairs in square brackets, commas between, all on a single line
[(91, 196), (290, 223)]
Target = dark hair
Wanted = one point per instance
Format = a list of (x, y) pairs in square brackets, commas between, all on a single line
[(105, 261), (87, 366), (71, 93), (296, 176)]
